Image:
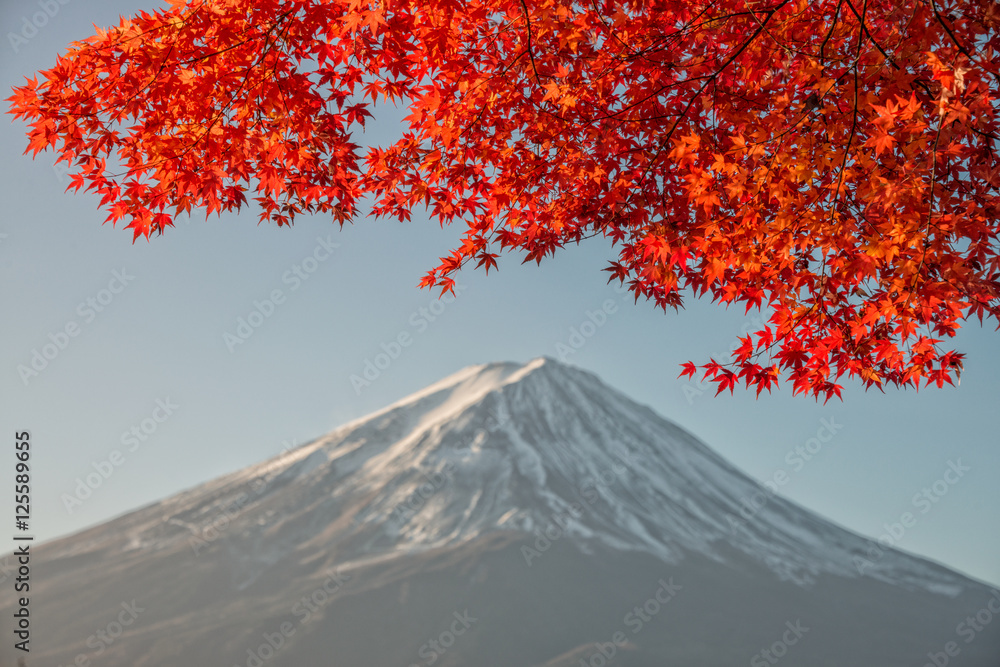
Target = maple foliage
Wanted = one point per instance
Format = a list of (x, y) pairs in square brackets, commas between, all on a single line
[(830, 161)]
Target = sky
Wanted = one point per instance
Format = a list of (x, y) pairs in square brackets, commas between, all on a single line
[(150, 394)]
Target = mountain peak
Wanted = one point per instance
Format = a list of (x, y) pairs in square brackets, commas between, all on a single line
[(470, 384)]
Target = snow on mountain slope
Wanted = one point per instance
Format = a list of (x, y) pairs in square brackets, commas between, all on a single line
[(540, 447)]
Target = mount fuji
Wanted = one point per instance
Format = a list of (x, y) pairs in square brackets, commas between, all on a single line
[(521, 515)]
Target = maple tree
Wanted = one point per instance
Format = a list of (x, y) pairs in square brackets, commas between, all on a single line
[(831, 161)]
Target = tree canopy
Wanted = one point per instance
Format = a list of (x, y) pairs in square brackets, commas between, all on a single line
[(832, 162)]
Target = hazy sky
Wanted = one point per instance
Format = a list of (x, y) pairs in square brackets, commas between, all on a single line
[(151, 344)]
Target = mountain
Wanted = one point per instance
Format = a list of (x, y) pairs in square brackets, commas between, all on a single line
[(509, 514)]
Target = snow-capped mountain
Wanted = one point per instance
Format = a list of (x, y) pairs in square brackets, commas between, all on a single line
[(535, 446), (503, 486)]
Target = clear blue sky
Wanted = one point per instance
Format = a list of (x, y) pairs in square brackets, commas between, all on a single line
[(161, 336)]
